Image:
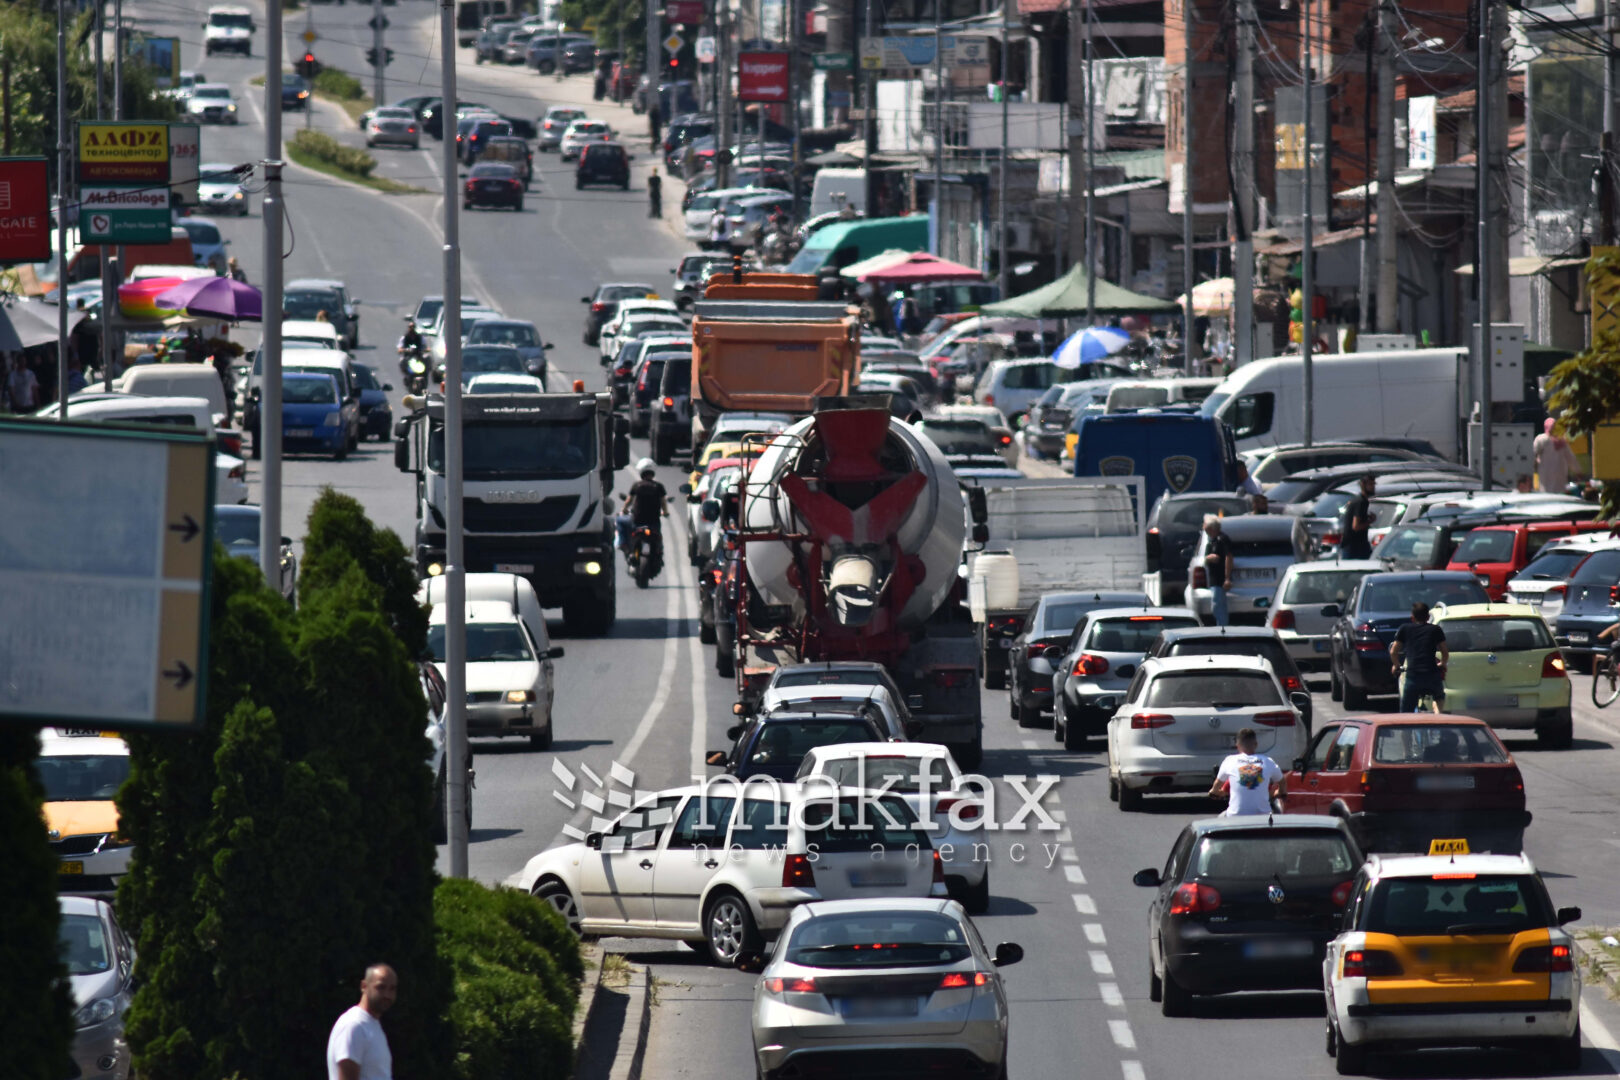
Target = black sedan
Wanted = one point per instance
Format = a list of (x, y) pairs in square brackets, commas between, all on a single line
[(603, 163), (236, 526), (1358, 644), (490, 184), (1246, 903), (294, 92), (1173, 526), (1048, 627)]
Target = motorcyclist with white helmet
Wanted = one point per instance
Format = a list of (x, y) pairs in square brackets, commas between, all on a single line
[(646, 503)]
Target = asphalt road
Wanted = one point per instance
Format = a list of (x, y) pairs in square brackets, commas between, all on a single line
[(646, 698)]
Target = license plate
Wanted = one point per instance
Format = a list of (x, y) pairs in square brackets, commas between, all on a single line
[(1261, 573), (514, 568), (1213, 742), (298, 433), (1469, 957), (75, 867), (872, 879), (1321, 646), (1441, 781), (879, 1007), (1278, 948), (1577, 637), (1006, 643), (1494, 701)]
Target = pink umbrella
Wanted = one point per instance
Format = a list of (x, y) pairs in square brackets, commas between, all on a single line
[(922, 267), (215, 297)]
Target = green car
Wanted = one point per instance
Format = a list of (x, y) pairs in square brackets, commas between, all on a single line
[(1506, 670)]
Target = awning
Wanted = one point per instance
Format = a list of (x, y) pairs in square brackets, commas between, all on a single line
[(1318, 241), (907, 267), (1067, 297), (1531, 265)]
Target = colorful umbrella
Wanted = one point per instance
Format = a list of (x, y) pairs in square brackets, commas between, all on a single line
[(1092, 343), (138, 299), (215, 297)]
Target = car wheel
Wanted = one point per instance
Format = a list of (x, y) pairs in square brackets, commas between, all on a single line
[(257, 451), (1566, 1052), (1074, 736), (1173, 1000), (976, 898), (341, 452), (1348, 1059), (969, 755), (706, 633), (1026, 715), (995, 680), (1558, 733), (1354, 698), (542, 741), (519, 206), (729, 928), (579, 185), (1130, 800), (1155, 986), (1335, 687), (556, 895), (1113, 796)]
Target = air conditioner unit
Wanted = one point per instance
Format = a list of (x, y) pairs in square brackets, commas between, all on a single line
[(1020, 236)]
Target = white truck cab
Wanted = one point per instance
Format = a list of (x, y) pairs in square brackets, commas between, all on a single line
[(228, 29)]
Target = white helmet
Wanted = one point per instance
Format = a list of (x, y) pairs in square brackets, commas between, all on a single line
[(645, 465)]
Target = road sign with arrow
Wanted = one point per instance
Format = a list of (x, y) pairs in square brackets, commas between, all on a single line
[(105, 558)]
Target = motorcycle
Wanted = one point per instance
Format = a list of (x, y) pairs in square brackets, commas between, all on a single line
[(779, 246), (413, 367), (645, 555)]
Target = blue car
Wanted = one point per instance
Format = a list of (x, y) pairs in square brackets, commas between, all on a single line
[(1365, 625), (207, 246), (376, 415), (1590, 598), (312, 416), (294, 92)]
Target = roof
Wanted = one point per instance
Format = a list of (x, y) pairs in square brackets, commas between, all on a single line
[(882, 749), (1267, 821), (1259, 526), (478, 611), (1098, 614), (1325, 565), (81, 905), (53, 742), (1420, 575), (1068, 296), (880, 903), (1505, 610), (1206, 661), (315, 283), (1383, 866), (1222, 631)]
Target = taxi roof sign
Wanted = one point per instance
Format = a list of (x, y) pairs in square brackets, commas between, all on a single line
[(105, 559), (1455, 846)]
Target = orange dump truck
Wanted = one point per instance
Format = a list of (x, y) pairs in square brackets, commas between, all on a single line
[(765, 343)]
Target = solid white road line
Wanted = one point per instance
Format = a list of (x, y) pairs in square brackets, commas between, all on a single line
[(1602, 1039)]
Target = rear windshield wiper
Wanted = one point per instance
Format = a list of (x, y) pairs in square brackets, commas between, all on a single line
[(1478, 928)]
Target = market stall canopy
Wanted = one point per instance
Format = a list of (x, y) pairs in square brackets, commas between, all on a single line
[(1066, 297), (1214, 297), (909, 268), (27, 323), (215, 297), (834, 159)]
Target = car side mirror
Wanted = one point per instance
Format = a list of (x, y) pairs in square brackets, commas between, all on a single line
[(584, 299), (548, 346), (750, 962), (978, 509), (1331, 609), (981, 533), (554, 653), (1148, 879), (593, 841), (1567, 915), (535, 368), (402, 455), (733, 731), (1007, 953), (1300, 700)]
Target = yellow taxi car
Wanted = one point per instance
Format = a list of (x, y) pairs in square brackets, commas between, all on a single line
[(713, 452), (1506, 670), (81, 771), (1451, 950)]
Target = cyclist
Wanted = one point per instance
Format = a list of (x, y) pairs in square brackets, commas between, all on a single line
[(1612, 634), (1418, 641)]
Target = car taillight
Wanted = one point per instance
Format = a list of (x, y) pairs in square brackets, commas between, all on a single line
[(1037, 651), (1369, 963), (797, 986), (989, 399), (1367, 639), (1194, 899), (1614, 595), (669, 403), (1006, 440), (1091, 664), (952, 679), (598, 307), (797, 873), (1545, 958), (1200, 580), (958, 980), (1280, 718), (939, 869), (1552, 667), (1559, 589), (967, 810), (1293, 683), (1144, 720), (1282, 620), (410, 131), (239, 473), (1341, 893), (1369, 779)]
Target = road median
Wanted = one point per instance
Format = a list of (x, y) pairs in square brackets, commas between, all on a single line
[(319, 151)]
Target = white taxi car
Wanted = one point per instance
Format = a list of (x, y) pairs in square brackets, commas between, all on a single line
[(1447, 950), (81, 771)]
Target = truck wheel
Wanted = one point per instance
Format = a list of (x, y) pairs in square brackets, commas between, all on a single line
[(706, 633), (971, 754), (663, 448), (993, 679)]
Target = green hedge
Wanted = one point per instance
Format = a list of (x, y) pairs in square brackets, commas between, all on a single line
[(327, 149), (339, 84), (517, 969)]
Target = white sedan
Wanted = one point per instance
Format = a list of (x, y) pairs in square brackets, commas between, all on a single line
[(1180, 720), (581, 132), (655, 314)]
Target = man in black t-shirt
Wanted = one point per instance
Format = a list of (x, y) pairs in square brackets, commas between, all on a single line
[(1357, 519), (1217, 567), (1418, 641), (644, 504)]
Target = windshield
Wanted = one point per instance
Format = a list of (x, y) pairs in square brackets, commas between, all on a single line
[(1132, 635), (309, 391), (1555, 564), (1457, 904), (427, 311), (201, 232), (1266, 648), (1323, 587), (237, 530), (803, 677), (1485, 545), (785, 742), (218, 174), (211, 92), (892, 773), (1603, 568), (1270, 855), (960, 437), (1496, 635), (1401, 595), (1212, 404), (82, 777), (1291, 491), (220, 18), (1191, 512), (475, 361), (1066, 616), (1437, 744), (869, 824), (1220, 689), (1409, 543), (366, 377), (83, 944), (554, 449), (486, 643), (879, 939), (503, 334), (306, 305)]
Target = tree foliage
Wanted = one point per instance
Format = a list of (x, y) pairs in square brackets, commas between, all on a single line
[(36, 1026), (1583, 392)]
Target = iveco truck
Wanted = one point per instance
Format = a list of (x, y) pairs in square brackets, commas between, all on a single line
[(538, 474)]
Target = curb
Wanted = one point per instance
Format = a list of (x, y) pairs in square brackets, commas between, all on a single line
[(604, 1046), (1603, 967), (592, 956)]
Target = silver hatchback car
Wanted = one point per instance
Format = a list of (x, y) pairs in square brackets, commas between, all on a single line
[(1305, 590), (1263, 547), (100, 967), (1107, 649), (881, 987)]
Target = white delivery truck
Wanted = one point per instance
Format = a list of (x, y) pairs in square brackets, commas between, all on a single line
[(1405, 393), (835, 189)]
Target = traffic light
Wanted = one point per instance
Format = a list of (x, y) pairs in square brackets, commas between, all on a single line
[(306, 65), (371, 57)]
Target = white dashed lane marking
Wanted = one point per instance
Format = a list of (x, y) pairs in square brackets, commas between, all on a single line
[(1121, 1031), (1084, 904), (1094, 933), (1100, 962), (1111, 995), (1132, 1070), (1075, 875)]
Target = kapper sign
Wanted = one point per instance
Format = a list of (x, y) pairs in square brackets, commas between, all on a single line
[(762, 76)]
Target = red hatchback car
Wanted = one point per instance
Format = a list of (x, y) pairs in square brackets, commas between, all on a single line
[(1494, 553), (1403, 780)]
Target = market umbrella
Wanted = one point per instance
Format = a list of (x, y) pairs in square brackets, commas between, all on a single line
[(1066, 297), (1213, 297), (916, 268), (1092, 343), (833, 159), (27, 323), (216, 297)]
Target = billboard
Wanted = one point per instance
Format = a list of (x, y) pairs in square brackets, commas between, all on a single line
[(762, 76), (25, 210), (123, 152)]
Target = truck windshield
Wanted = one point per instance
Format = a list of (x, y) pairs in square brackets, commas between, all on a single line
[(551, 450)]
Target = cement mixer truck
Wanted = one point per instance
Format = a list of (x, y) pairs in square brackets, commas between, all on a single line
[(852, 528)]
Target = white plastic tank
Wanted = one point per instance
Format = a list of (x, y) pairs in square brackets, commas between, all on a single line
[(999, 571), (933, 529)]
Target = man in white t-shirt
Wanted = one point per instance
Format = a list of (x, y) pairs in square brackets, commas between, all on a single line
[(1247, 780), (358, 1046)]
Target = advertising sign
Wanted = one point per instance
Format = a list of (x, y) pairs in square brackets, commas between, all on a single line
[(123, 152), (185, 147), (911, 52), (162, 55), (25, 210), (689, 12), (124, 215), (838, 61), (762, 76), (1420, 132)]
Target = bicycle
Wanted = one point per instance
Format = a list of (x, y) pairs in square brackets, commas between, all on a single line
[(1605, 680)]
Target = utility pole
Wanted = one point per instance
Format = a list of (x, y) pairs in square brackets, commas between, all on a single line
[(101, 16), (655, 58), (1484, 152), (1243, 208), (869, 117), (64, 161), (1003, 277), (109, 289), (722, 71), (1307, 273), (1388, 268), (1188, 318), (1606, 156), (1091, 162), (794, 91), (1079, 96), (455, 563), (939, 128), (270, 346), (379, 82), (118, 60)]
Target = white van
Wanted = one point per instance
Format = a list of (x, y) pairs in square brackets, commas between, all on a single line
[(175, 380), (322, 335), (509, 653), (194, 413), (835, 189), (1411, 393)]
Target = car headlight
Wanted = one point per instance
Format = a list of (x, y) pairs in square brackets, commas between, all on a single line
[(97, 1012), (236, 195), (231, 107), (333, 419), (519, 697)]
